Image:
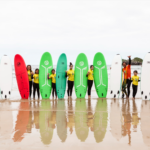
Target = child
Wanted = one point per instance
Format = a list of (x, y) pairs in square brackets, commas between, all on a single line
[(70, 74), (90, 80), (30, 75), (36, 84), (53, 77), (135, 80)]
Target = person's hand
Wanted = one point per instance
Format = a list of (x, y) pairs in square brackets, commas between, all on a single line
[(32, 73), (66, 71), (48, 74), (129, 56)]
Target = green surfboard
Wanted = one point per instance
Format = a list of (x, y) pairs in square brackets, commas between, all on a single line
[(46, 66), (60, 76), (100, 120), (46, 129), (81, 126), (100, 75), (81, 69)]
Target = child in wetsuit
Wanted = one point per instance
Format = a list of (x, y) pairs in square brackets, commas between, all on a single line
[(53, 77), (135, 80), (36, 84), (90, 80)]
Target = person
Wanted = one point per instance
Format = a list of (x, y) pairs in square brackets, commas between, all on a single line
[(70, 74), (127, 78), (135, 80), (90, 80), (53, 77), (36, 83), (30, 76)]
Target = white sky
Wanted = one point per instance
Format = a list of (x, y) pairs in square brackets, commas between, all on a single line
[(33, 27)]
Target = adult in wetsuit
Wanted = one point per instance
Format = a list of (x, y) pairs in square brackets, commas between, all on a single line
[(127, 78)]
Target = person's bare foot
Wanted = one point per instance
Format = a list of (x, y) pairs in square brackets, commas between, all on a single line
[(133, 98)]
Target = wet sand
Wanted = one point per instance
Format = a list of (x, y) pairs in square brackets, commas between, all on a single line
[(74, 124)]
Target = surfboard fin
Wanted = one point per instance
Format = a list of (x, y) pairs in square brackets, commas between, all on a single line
[(111, 92), (1, 92), (142, 92), (145, 97)]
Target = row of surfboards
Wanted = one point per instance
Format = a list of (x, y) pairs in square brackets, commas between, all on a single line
[(81, 69)]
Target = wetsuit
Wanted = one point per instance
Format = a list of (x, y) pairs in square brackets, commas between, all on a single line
[(135, 80), (90, 81), (53, 77), (36, 85), (70, 74), (127, 79)]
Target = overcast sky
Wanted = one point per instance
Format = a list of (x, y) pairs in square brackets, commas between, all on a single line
[(32, 27)]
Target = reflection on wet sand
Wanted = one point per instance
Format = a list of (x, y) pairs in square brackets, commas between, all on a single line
[(145, 122), (100, 120), (61, 120), (22, 122), (46, 128), (115, 119), (83, 119), (81, 127)]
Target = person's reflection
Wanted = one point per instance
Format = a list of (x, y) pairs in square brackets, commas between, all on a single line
[(90, 115), (30, 123), (100, 120), (115, 119), (6, 121), (46, 129), (70, 123), (145, 122), (81, 126), (22, 121), (36, 115), (61, 120), (135, 118), (126, 127), (53, 118)]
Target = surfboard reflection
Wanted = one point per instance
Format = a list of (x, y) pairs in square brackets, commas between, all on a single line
[(145, 121), (81, 126), (100, 120), (22, 121), (46, 129), (61, 120)]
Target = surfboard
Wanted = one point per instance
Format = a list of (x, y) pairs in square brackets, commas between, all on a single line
[(100, 120), (145, 72), (46, 66), (100, 75), (116, 77), (81, 69), (5, 77), (21, 76), (81, 127), (60, 76)]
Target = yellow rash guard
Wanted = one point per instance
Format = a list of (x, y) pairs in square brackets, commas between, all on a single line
[(53, 77), (29, 75), (135, 80), (90, 75), (36, 78), (70, 74)]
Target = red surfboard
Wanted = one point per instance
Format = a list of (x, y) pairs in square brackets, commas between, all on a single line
[(21, 76)]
